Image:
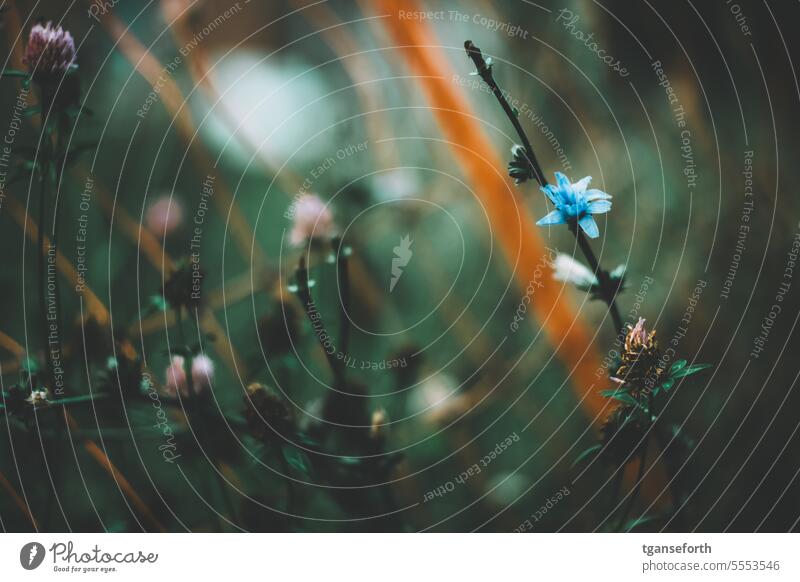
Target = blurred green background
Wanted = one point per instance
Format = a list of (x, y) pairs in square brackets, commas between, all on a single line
[(271, 92)]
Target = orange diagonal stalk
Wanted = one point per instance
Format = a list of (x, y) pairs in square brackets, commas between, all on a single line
[(515, 231), (170, 95), (23, 506)]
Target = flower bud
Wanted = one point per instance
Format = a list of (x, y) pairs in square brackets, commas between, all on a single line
[(50, 52)]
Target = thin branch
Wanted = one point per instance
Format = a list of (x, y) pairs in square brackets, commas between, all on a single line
[(608, 290), (485, 72)]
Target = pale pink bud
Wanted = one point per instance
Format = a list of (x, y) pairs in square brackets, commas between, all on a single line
[(176, 377), (164, 216), (313, 219)]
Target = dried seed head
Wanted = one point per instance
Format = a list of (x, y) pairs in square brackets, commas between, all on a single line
[(39, 398), (266, 413), (641, 358)]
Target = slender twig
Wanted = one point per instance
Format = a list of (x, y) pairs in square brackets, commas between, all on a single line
[(637, 487), (43, 191), (290, 496), (608, 290), (314, 317), (343, 272), (485, 72)]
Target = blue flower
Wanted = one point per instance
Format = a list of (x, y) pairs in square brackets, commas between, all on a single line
[(574, 203)]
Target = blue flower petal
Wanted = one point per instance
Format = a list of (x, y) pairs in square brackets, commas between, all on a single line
[(599, 207), (595, 194), (589, 226), (552, 193), (555, 217), (580, 186), (563, 182)]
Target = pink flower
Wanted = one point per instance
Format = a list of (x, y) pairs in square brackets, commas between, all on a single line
[(164, 216), (202, 375), (176, 377), (202, 372), (638, 334), (312, 220), (50, 51)]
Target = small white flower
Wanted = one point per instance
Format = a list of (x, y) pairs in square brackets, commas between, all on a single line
[(568, 270), (202, 372), (437, 398), (38, 398)]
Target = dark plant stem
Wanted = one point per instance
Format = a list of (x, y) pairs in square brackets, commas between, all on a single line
[(290, 497), (314, 317), (485, 72), (608, 290), (637, 486), (59, 166), (43, 265), (343, 273), (616, 485)]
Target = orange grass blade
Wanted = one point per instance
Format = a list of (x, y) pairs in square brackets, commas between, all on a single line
[(171, 96), (513, 228), (103, 460), (18, 501)]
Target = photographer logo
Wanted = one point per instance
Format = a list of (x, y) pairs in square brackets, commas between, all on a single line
[(31, 555)]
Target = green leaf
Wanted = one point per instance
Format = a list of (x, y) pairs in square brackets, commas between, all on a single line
[(587, 453), (297, 460), (677, 367), (350, 461), (15, 73), (31, 111), (639, 521), (665, 386), (159, 303), (620, 394), (690, 370)]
